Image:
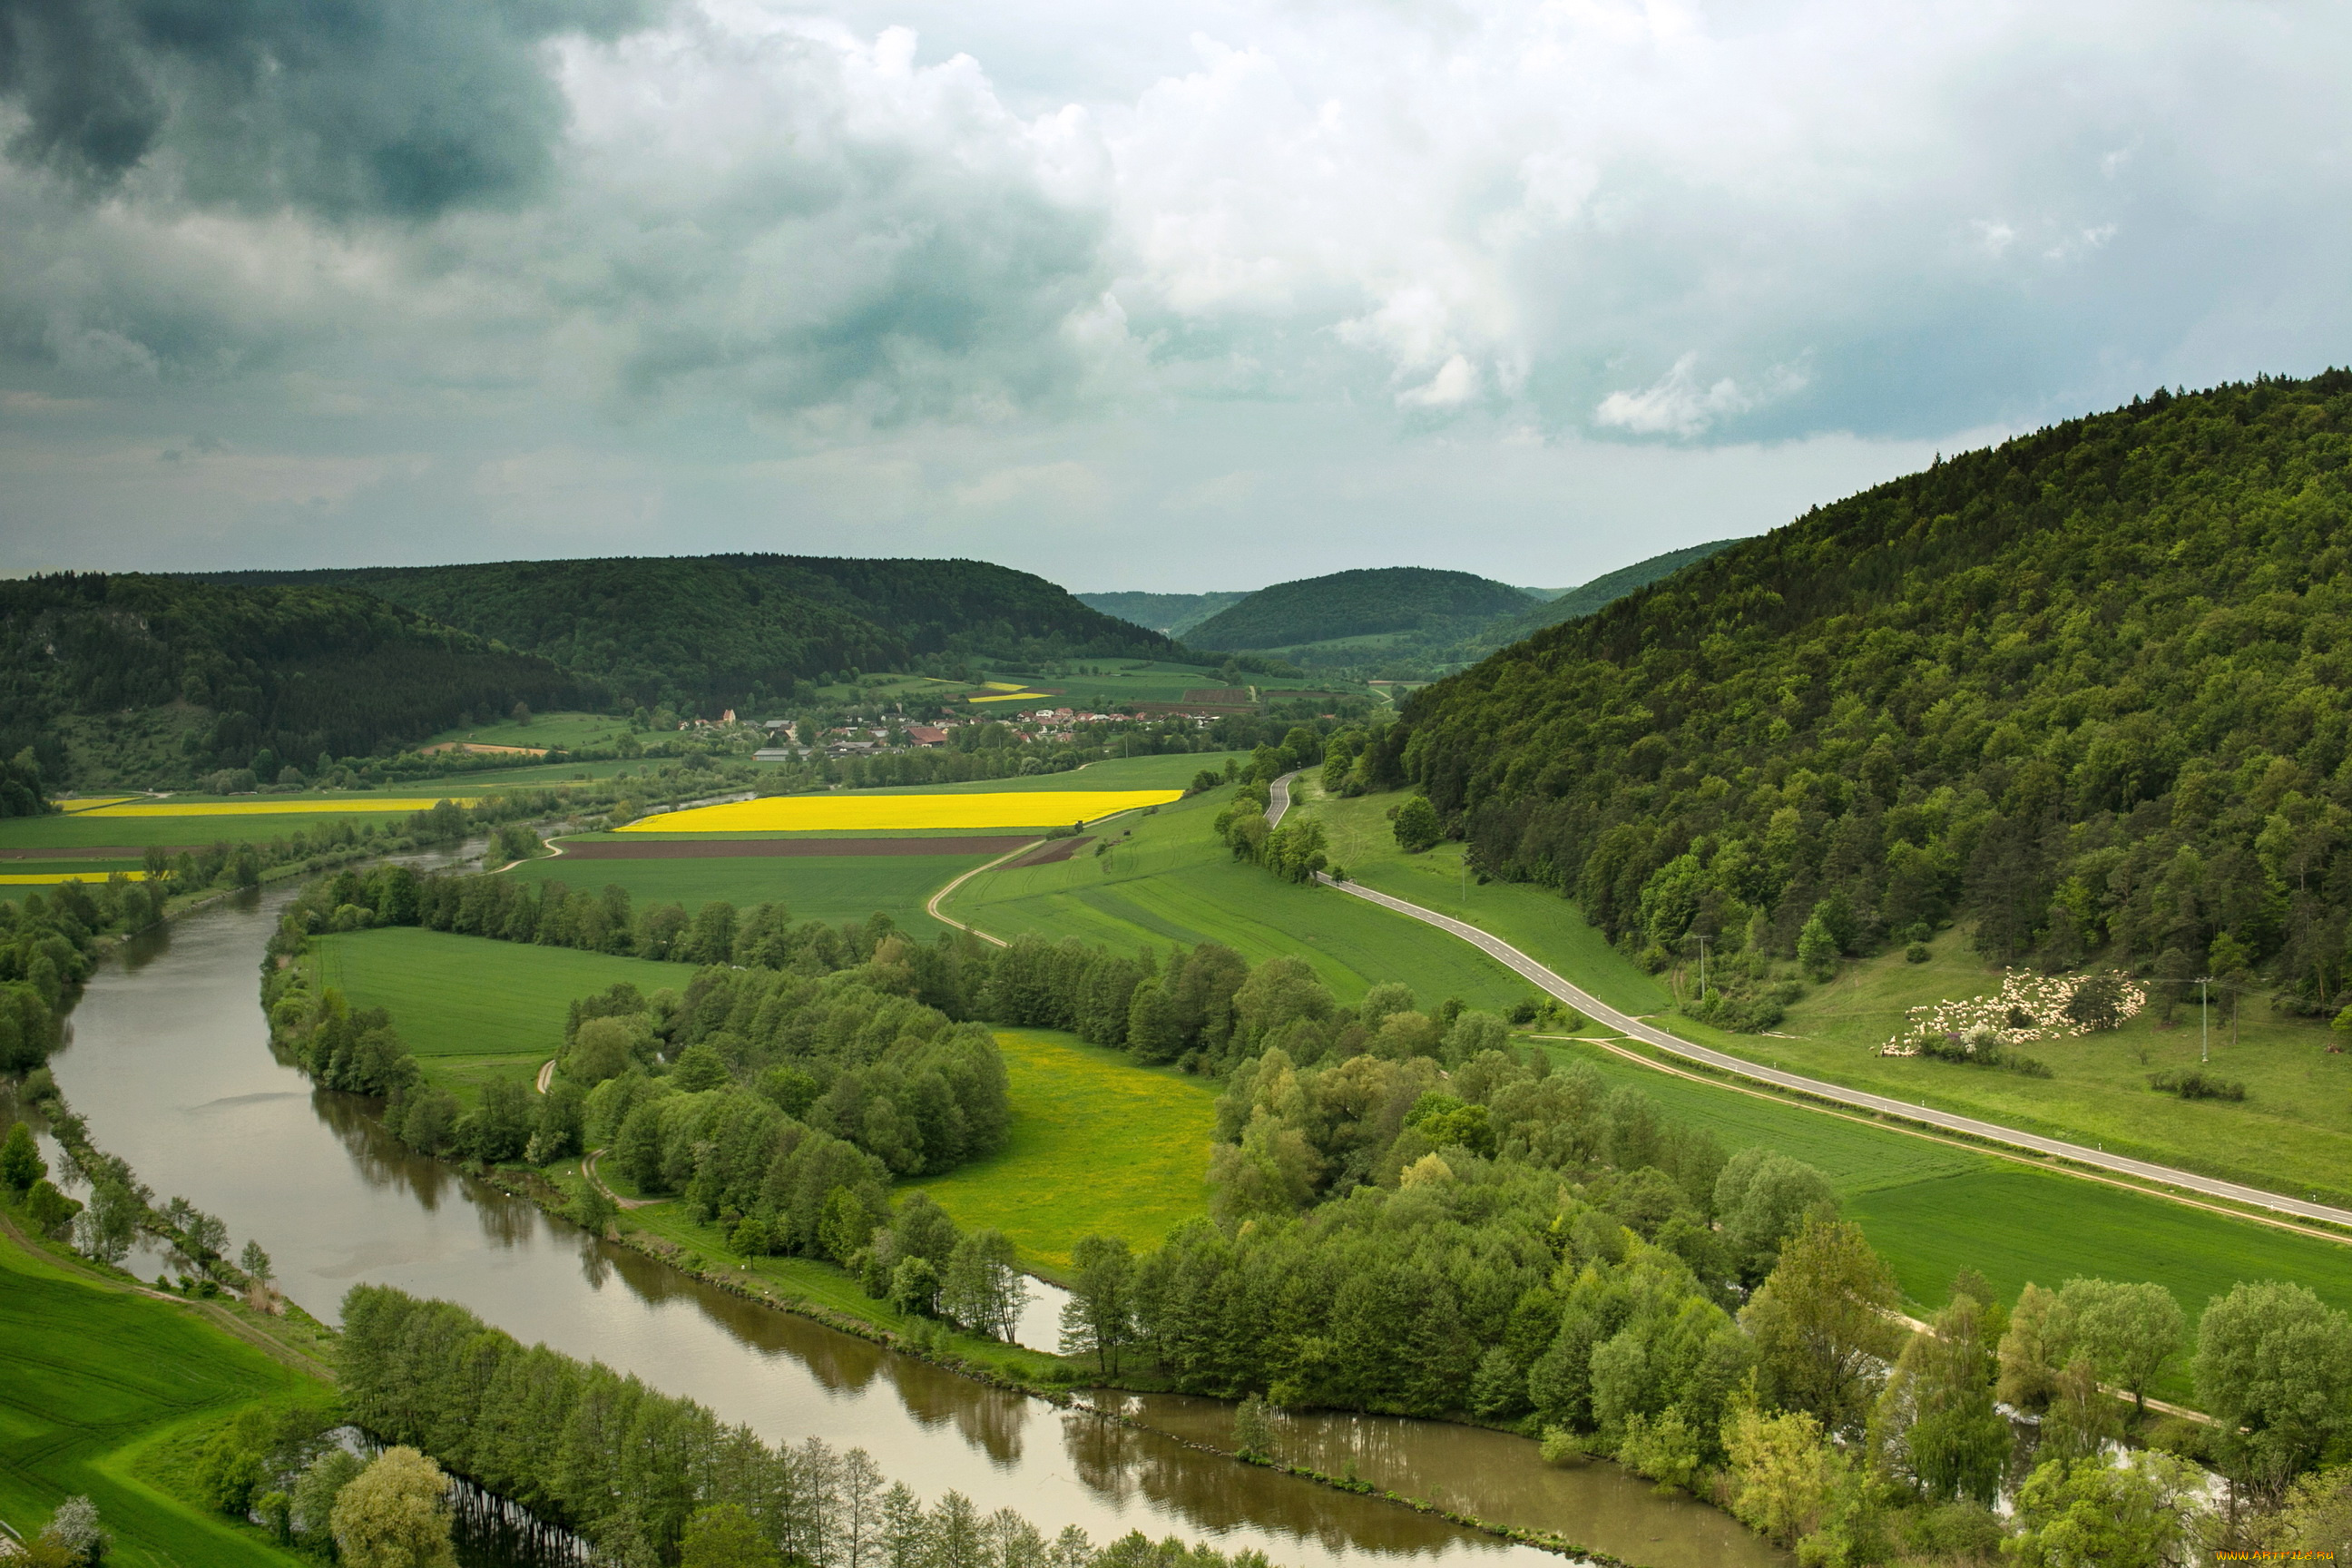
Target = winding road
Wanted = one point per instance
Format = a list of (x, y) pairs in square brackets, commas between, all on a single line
[(1635, 1028), (1277, 798)]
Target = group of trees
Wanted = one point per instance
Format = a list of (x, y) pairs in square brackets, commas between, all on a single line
[(47, 948), (2087, 687), (1527, 1246), (649, 1478)]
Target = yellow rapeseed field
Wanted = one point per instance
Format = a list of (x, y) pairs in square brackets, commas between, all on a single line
[(46, 878), (813, 813), (273, 808), (1012, 697)]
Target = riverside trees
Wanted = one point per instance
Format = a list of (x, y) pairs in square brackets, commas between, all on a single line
[(647, 1477)]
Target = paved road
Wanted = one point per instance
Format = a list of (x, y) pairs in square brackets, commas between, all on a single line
[(1278, 798), (1594, 1007)]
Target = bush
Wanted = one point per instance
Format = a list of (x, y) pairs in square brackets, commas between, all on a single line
[(1750, 1016), (1982, 1050), (1915, 953), (2195, 1083)]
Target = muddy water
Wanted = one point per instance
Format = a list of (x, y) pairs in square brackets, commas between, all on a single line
[(169, 1061)]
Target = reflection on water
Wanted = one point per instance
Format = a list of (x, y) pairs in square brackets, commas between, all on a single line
[(169, 1062)]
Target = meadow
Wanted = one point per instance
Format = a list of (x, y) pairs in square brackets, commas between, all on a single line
[(1164, 771), (1099, 1146), (865, 811), (1169, 879), (1932, 1209), (1146, 681), (2293, 1133), (98, 1388), (470, 1007), (823, 888), (568, 730)]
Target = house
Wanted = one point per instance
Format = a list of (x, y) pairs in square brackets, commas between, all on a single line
[(926, 735)]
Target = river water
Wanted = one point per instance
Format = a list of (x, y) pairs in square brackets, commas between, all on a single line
[(168, 1059)]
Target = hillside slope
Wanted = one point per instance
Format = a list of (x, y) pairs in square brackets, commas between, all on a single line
[(724, 630), (1174, 614), (1356, 603), (172, 677), (2092, 687), (1591, 598)]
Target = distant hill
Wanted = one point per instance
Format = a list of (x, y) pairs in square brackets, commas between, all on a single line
[(1358, 603), (2088, 689), (703, 632), (165, 678), (1570, 603), (1174, 614)]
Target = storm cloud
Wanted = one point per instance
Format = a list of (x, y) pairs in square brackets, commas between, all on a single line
[(1209, 294), (345, 108)]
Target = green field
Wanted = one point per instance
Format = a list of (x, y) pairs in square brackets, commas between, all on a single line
[(1171, 771), (834, 887), (1151, 682), (472, 1008), (2292, 1133), (97, 1387), (1172, 882), (1099, 1146), (570, 731), (1932, 1209)]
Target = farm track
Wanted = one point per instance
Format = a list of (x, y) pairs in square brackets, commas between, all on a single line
[(1650, 1035)]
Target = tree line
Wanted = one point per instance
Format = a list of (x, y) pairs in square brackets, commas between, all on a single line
[(2085, 687), (48, 948), (649, 1478)]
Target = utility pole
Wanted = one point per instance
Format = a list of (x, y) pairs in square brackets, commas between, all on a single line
[(2204, 1035)]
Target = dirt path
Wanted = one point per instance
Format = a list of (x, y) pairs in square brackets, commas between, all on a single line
[(546, 1075), (931, 905), (588, 1169)]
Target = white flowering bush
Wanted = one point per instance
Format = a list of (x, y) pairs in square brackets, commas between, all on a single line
[(2028, 1007)]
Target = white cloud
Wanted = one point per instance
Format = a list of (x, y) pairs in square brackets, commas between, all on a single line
[(1678, 404)]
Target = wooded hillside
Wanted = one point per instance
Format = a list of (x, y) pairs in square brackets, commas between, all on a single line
[(703, 632), (1356, 603), (2089, 687), (293, 671)]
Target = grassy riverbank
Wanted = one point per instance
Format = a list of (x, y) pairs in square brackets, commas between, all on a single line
[(109, 1391)]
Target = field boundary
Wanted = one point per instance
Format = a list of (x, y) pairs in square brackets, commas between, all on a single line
[(1634, 1028)]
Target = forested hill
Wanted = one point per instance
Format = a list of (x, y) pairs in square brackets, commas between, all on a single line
[(240, 670), (2092, 688), (724, 630), (1175, 614), (1590, 598), (1356, 603)]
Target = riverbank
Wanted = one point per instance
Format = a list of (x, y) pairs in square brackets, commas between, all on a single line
[(109, 1389), (167, 1062)]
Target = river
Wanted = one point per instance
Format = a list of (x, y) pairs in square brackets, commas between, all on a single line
[(168, 1059)]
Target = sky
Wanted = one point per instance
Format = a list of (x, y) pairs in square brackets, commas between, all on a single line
[(1196, 295)]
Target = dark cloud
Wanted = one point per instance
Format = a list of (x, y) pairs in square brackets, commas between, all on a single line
[(343, 108)]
